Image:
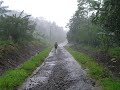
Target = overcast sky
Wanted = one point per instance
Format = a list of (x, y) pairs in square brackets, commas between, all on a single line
[(59, 11)]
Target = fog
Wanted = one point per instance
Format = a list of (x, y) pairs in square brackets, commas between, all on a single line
[(47, 22), (59, 11)]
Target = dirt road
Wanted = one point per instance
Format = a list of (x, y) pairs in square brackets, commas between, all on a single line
[(58, 72)]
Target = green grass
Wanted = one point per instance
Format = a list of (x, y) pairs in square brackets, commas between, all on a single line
[(7, 42), (13, 78), (96, 71), (115, 52), (87, 47)]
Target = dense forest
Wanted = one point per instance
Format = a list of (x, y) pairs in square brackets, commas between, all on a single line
[(95, 24)]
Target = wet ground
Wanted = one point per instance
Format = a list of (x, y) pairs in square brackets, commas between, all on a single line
[(59, 72)]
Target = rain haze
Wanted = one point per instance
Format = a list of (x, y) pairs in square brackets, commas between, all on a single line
[(59, 11), (59, 44)]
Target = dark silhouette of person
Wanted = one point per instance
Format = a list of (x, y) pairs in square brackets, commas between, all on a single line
[(55, 45)]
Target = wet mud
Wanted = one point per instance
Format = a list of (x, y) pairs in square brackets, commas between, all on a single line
[(59, 72)]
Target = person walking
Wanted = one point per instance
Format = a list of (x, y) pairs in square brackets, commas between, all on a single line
[(55, 45)]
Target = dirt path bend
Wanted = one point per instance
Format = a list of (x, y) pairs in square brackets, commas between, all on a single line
[(58, 72)]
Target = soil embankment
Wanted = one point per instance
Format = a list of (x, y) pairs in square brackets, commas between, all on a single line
[(11, 56), (112, 63)]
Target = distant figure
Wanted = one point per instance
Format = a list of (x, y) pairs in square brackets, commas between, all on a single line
[(55, 45)]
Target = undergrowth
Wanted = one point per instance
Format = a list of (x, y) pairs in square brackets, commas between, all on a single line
[(115, 52), (7, 42)]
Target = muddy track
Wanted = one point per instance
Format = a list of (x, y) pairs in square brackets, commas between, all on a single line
[(59, 72)]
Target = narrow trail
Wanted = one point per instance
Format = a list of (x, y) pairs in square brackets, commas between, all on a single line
[(58, 72)]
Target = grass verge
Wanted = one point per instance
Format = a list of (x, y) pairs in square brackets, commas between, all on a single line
[(96, 71), (13, 78), (115, 52)]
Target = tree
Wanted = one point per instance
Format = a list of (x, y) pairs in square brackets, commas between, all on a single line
[(49, 31), (17, 29), (82, 31), (3, 9), (108, 17)]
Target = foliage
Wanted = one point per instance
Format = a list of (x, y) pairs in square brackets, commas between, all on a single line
[(95, 23), (3, 9), (115, 52), (13, 78), (108, 17), (21, 28), (82, 31), (17, 29), (6, 42)]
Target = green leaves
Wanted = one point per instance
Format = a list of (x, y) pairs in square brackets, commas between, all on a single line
[(17, 28), (108, 18), (92, 18)]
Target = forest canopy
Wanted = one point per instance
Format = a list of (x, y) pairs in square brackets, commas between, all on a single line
[(96, 23)]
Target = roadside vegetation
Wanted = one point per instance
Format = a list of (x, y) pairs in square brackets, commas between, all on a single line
[(96, 71), (15, 77), (95, 28), (22, 36)]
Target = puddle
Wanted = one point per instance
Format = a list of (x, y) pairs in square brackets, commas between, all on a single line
[(51, 63), (44, 73), (38, 79)]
